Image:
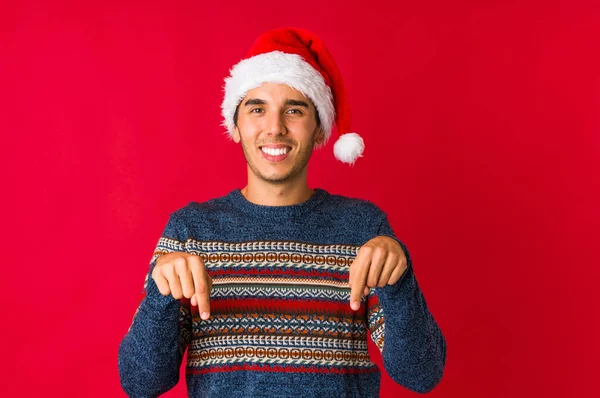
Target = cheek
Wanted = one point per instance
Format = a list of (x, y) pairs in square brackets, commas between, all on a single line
[(306, 126), (250, 129)]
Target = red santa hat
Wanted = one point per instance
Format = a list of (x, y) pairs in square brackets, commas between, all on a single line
[(298, 58)]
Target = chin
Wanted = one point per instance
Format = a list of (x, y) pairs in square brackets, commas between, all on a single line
[(275, 178)]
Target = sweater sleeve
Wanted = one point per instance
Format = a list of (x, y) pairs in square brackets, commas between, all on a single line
[(151, 352), (411, 343)]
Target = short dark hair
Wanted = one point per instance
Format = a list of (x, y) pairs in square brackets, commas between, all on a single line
[(237, 108)]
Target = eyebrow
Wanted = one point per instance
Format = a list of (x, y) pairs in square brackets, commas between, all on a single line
[(255, 101), (258, 101), (296, 103)]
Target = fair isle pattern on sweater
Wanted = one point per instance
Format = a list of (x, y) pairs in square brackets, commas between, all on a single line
[(281, 323), (277, 306)]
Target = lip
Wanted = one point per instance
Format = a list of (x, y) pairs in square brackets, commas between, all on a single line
[(271, 158), (275, 146)]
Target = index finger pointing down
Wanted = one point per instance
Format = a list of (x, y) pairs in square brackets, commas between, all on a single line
[(360, 271), (201, 284)]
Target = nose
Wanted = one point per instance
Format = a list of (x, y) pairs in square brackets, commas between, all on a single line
[(275, 124)]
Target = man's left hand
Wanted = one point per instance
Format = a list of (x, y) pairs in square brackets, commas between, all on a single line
[(378, 262)]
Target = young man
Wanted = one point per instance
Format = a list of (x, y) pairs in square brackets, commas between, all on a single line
[(273, 287)]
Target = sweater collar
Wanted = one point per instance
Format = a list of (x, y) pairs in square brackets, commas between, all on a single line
[(239, 201)]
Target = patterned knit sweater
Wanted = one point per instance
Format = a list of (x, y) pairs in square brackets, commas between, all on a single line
[(281, 323)]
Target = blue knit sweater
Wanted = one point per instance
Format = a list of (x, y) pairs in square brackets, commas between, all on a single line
[(281, 323)]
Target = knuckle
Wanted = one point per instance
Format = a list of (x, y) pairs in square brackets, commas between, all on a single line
[(379, 251), (167, 270), (197, 262), (179, 263), (361, 281), (366, 248)]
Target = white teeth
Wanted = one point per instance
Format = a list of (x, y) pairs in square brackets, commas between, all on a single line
[(275, 151)]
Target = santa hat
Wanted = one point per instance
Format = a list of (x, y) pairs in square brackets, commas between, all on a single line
[(298, 58)]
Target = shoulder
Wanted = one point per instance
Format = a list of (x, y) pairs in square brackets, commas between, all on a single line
[(355, 206), (197, 219), (195, 210)]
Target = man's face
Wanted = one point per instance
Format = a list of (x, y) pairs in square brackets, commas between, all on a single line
[(278, 129)]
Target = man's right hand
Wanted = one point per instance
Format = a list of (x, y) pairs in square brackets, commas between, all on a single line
[(184, 275)]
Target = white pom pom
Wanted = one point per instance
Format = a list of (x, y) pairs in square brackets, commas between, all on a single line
[(349, 147)]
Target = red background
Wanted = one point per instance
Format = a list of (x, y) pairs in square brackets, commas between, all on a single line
[(481, 122)]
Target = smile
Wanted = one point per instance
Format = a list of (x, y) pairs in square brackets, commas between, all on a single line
[(275, 154)]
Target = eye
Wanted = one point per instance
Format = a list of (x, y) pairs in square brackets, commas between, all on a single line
[(296, 111), (255, 109)]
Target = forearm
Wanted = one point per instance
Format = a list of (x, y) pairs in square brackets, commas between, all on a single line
[(150, 353), (414, 353)]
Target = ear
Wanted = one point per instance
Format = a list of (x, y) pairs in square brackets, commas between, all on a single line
[(236, 135), (320, 136)]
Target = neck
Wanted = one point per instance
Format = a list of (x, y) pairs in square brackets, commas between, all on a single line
[(284, 194)]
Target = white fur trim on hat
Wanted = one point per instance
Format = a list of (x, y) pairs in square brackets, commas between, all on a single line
[(349, 147), (282, 68)]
